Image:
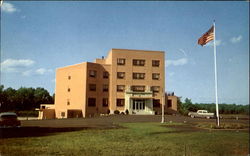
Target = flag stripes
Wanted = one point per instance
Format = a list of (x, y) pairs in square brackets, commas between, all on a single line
[(208, 36)]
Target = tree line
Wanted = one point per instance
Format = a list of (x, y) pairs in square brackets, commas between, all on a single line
[(23, 98), (187, 106)]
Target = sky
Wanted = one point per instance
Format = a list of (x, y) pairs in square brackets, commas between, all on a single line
[(39, 37)]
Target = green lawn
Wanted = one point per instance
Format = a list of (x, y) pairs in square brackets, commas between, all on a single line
[(134, 139)]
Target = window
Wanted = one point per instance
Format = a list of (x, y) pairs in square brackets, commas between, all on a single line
[(121, 61), (68, 89), (69, 77), (156, 103), (105, 75), (155, 89), (138, 62), (169, 103), (105, 88), (120, 88), (155, 63), (138, 75), (91, 102), (92, 73), (68, 102), (120, 75), (155, 76), (63, 114), (120, 102), (105, 102), (138, 88), (92, 87)]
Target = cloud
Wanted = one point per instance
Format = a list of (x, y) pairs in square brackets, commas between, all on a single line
[(236, 39), (42, 71), (27, 73), (178, 62), (8, 7), (181, 50), (12, 65), (23, 66), (217, 43)]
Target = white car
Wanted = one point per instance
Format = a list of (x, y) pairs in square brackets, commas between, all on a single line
[(201, 114)]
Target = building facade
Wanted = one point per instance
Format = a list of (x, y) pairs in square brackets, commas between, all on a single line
[(129, 81)]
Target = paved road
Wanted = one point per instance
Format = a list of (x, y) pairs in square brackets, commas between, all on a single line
[(109, 121)]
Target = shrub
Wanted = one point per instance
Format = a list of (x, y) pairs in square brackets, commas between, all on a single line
[(122, 113), (127, 112), (31, 113), (116, 112)]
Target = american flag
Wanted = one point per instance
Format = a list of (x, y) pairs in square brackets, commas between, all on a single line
[(208, 36)]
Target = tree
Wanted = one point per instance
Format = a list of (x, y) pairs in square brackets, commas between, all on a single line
[(41, 96)]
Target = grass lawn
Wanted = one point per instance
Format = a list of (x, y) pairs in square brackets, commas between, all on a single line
[(134, 139)]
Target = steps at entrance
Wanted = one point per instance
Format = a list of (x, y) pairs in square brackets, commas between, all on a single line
[(143, 113)]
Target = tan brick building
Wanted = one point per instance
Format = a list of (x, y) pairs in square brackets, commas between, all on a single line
[(132, 80)]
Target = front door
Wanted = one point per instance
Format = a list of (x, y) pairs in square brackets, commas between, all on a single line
[(138, 105)]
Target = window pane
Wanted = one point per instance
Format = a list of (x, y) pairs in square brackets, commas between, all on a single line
[(105, 88), (155, 63), (120, 88), (120, 102), (155, 89), (105, 102), (138, 75), (120, 61), (105, 75), (92, 87), (120, 75), (155, 76), (92, 73), (138, 88), (91, 102), (138, 62), (169, 103), (156, 103)]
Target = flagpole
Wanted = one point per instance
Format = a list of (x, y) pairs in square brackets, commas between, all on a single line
[(215, 77)]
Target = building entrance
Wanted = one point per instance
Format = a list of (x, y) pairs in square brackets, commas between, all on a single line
[(138, 105)]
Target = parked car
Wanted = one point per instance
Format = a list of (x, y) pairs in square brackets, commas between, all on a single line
[(201, 114), (9, 119)]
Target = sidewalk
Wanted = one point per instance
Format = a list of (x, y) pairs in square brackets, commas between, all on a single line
[(27, 118)]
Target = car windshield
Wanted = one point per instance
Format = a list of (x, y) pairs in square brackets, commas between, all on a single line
[(8, 116)]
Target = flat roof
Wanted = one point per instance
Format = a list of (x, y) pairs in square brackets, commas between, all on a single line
[(137, 50)]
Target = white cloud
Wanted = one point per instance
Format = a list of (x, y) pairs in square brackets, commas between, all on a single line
[(8, 7), (181, 50), (42, 71), (12, 65), (27, 73), (217, 43), (177, 62), (236, 39)]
